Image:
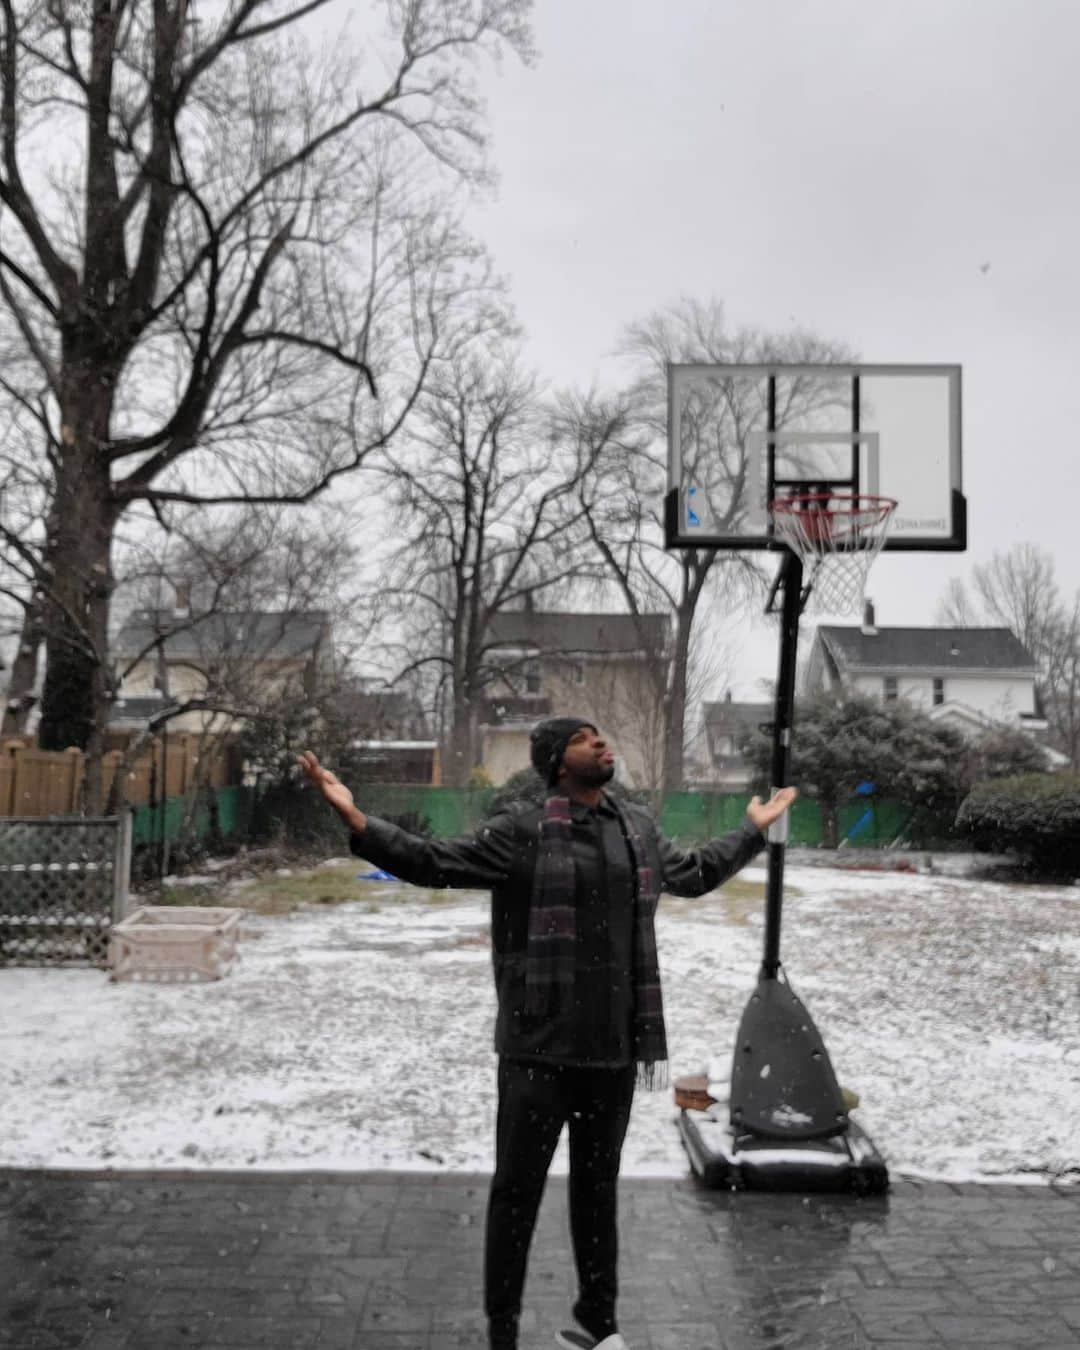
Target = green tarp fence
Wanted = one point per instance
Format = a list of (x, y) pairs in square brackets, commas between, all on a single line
[(697, 816), (447, 811), (691, 817), (688, 816), (166, 820), (870, 824)]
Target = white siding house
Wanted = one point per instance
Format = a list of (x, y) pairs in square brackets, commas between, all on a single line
[(972, 677)]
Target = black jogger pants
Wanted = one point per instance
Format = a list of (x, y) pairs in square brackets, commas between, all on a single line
[(535, 1100)]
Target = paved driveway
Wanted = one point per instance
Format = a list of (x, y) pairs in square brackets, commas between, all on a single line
[(156, 1261)]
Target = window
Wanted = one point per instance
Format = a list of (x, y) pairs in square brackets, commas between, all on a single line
[(576, 671), (939, 692), (891, 690), (532, 677)]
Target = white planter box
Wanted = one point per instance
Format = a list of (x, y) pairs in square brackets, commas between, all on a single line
[(172, 944)]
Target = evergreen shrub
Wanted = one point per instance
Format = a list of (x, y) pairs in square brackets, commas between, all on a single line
[(1035, 815)]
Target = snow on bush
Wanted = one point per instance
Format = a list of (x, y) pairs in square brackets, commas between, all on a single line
[(1035, 815)]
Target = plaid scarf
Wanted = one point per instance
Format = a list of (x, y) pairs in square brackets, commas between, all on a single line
[(549, 960)]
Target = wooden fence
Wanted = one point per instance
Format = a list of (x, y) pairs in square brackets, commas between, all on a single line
[(37, 782)]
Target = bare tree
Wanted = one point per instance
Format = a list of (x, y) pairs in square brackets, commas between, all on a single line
[(24, 496), (28, 632), (623, 499), (957, 608), (1018, 589), (224, 280), (627, 699), (234, 624), (1062, 693), (481, 488)]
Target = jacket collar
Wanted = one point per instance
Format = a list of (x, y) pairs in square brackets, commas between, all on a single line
[(579, 811)]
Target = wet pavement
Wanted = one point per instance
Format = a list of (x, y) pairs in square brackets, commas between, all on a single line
[(372, 1261)]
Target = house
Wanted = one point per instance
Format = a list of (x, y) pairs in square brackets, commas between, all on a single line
[(395, 761), (382, 714), (611, 668), (392, 741), (726, 726), (970, 677), (239, 659)]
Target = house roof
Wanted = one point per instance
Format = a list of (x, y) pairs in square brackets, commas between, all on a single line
[(262, 634), (607, 634), (967, 718), (990, 649)]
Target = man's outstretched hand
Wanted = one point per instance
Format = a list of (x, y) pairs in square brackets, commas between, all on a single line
[(764, 814), (333, 790)]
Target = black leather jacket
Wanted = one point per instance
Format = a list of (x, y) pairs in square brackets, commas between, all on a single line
[(501, 855)]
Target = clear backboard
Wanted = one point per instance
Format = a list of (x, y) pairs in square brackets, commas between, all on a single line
[(741, 436)]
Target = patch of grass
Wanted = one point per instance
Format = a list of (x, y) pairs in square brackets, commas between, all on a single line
[(738, 899), (737, 889), (273, 893), (270, 893), (206, 895)]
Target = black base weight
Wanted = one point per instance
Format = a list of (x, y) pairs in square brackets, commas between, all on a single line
[(846, 1162)]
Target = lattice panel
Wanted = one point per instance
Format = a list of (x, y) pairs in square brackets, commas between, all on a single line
[(58, 885)]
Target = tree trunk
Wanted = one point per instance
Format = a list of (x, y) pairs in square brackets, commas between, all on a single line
[(462, 757), (830, 822), (20, 695), (675, 729), (74, 704)]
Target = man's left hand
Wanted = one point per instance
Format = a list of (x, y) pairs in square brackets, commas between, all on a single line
[(764, 814)]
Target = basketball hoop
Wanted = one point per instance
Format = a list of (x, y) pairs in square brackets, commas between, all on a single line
[(837, 535)]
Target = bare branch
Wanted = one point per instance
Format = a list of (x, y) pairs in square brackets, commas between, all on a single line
[(13, 191), (24, 278), (314, 344), (271, 25)]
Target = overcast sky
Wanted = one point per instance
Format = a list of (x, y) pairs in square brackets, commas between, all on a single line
[(899, 176)]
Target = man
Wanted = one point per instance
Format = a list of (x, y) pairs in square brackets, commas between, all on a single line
[(574, 888)]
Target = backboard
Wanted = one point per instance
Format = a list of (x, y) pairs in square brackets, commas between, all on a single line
[(740, 436)]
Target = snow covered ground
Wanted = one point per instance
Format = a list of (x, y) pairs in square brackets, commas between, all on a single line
[(359, 1036)]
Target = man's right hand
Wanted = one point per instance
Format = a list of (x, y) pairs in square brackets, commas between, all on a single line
[(334, 791)]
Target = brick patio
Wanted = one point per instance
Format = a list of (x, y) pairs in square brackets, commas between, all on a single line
[(157, 1261)]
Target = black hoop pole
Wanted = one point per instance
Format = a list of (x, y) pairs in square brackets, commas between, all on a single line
[(789, 579)]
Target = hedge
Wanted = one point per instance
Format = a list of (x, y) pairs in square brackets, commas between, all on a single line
[(1035, 815)]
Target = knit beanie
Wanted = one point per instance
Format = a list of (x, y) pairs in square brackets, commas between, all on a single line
[(548, 743)]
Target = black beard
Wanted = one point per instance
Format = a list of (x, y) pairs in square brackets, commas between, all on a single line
[(595, 775)]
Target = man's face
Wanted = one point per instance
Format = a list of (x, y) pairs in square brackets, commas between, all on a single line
[(588, 759)]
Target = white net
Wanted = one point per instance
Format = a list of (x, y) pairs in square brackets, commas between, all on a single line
[(837, 536)]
